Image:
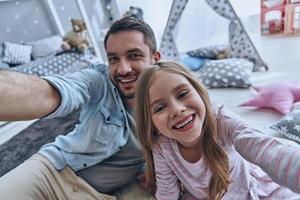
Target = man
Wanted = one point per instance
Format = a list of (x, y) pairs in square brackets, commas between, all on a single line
[(101, 154)]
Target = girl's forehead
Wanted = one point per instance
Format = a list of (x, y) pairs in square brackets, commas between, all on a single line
[(165, 81), (168, 76)]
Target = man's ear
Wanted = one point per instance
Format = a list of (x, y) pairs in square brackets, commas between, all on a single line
[(157, 56)]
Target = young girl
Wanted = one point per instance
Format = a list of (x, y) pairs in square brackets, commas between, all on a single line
[(190, 144)]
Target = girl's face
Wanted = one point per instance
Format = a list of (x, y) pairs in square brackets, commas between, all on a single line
[(176, 108)]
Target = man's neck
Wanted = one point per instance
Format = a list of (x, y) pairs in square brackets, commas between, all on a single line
[(130, 103)]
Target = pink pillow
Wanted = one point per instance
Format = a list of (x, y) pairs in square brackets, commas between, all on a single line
[(278, 96)]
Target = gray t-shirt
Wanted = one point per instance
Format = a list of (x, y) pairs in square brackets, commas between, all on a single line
[(120, 168)]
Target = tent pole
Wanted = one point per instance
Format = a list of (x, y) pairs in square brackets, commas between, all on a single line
[(249, 39)]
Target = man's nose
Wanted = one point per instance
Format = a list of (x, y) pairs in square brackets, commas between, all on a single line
[(124, 67)]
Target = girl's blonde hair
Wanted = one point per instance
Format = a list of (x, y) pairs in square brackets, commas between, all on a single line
[(214, 155)]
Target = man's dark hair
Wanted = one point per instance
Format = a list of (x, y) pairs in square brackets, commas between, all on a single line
[(131, 24)]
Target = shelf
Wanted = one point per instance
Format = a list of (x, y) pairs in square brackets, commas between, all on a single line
[(281, 19)]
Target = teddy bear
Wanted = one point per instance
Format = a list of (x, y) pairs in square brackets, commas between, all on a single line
[(77, 38), (135, 12)]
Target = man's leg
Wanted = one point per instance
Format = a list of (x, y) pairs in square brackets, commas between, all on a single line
[(37, 179)]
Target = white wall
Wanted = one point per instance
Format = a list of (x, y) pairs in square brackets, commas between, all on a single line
[(246, 8)]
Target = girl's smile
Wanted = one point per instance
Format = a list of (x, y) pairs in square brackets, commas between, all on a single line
[(185, 124)]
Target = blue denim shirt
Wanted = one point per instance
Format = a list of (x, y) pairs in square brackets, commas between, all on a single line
[(103, 125)]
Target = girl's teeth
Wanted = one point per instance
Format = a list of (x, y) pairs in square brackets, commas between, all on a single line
[(185, 122)]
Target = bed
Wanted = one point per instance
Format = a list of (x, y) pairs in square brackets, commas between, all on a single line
[(59, 64), (42, 57)]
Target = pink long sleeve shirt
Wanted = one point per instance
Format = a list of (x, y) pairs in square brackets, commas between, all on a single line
[(248, 180)]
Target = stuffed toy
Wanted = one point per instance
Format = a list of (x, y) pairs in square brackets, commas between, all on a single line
[(135, 12), (279, 96), (77, 38)]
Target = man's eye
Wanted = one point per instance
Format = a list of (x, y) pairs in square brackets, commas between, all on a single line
[(159, 108), (112, 59), (134, 56), (182, 94)]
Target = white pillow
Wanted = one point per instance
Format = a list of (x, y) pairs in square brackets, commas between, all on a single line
[(49, 46), (16, 54)]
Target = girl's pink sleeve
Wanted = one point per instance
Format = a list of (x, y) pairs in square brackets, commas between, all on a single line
[(280, 159), (166, 180)]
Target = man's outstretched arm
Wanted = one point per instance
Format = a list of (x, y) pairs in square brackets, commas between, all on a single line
[(25, 97)]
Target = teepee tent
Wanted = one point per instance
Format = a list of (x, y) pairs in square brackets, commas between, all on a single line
[(176, 37)]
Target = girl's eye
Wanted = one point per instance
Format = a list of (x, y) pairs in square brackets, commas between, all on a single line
[(159, 108), (182, 94)]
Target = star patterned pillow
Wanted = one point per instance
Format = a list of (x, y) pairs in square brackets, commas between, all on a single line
[(233, 72), (289, 125), (278, 96), (211, 52)]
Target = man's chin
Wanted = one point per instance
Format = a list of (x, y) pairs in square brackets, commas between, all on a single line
[(128, 95)]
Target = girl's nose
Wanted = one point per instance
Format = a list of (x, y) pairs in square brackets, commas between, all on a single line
[(177, 110)]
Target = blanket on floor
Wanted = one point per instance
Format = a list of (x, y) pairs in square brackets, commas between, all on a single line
[(29, 141)]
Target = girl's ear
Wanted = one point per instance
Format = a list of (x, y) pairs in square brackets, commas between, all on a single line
[(157, 56)]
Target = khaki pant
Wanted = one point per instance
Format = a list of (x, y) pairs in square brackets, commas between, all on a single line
[(37, 179)]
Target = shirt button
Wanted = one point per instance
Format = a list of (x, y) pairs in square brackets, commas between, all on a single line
[(122, 111), (108, 119), (75, 188), (84, 165)]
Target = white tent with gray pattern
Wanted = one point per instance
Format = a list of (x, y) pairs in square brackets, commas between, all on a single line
[(236, 37)]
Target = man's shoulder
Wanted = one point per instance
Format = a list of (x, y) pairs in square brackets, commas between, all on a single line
[(93, 72), (100, 67)]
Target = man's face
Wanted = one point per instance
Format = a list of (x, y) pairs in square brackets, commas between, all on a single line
[(128, 55)]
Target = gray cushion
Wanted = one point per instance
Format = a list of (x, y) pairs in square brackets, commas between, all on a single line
[(233, 72), (211, 52), (46, 47), (16, 54), (289, 125)]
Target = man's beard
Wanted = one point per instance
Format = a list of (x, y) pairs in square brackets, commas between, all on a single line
[(126, 96)]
